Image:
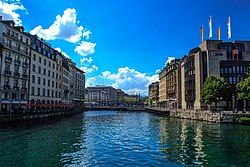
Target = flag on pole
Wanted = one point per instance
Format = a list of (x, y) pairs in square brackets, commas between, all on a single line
[(210, 26), (202, 33), (219, 33), (229, 28)]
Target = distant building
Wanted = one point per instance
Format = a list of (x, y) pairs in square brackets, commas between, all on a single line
[(77, 83), (14, 69), (120, 95), (229, 60), (153, 93), (169, 88), (102, 94), (42, 73)]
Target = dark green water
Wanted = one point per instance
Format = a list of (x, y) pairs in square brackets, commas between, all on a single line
[(114, 138)]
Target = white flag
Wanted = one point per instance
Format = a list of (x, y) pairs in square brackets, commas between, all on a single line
[(210, 26), (229, 28)]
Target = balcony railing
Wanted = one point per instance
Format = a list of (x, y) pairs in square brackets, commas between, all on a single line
[(6, 87), (7, 72), (17, 62), (15, 88), (8, 59), (24, 76), (25, 64), (24, 89), (16, 74)]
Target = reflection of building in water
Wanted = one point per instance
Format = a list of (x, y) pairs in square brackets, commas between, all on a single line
[(183, 135), (199, 144), (164, 131)]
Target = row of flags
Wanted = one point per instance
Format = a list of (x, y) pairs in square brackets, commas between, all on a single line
[(218, 32)]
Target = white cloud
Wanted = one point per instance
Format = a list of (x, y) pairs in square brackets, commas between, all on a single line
[(85, 48), (88, 69), (157, 71), (86, 60), (91, 81), (130, 80), (169, 60), (64, 27), (8, 11), (60, 50)]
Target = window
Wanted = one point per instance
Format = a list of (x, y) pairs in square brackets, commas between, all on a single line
[(39, 80), (9, 43), (48, 82), (32, 90), (230, 80), (49, 73), (16, 83), (44, 62), (6, 81), (53, 75), (48, 92), (39, 70), (17, 46), (27, 41), (34, 57), (38, 91), (21, 38), (53, 66), (52, 93), (43, 92), (52, 83), (44, 81), (33, 68), (24, 83), (49, 63), (44, 71), (8, 54), (40, 59), (56, 76), (33, 78), (234, 69)]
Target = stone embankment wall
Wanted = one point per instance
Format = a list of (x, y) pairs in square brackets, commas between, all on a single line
[(37, 115), (220, 117), (196, 115)]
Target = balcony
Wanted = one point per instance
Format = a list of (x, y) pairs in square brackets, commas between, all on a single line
[(17, 62), (7, 72), (8, 59), (24, 76), (24, 89), (6, 87), (15, 88), (25, 65), (17, 74)]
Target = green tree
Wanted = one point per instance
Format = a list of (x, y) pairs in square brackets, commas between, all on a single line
[(214, 89), (243, 89)]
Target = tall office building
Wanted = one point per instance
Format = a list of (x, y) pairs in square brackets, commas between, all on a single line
[(229, 60)]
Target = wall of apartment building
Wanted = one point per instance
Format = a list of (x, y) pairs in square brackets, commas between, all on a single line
[(162, 87), (15, 51), (183, 101), (43, 74), (59, 74), (65, 82)]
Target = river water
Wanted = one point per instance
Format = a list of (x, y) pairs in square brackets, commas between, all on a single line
[(120, 138)]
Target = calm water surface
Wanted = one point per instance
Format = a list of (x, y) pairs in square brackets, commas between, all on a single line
[(118, 138)]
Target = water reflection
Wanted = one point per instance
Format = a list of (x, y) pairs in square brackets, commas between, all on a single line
[(118, 138)]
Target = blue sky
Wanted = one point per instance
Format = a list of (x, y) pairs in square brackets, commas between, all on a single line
[(124, 43)]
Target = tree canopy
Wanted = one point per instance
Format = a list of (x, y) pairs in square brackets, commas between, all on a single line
[(243, 89), (214, 89)]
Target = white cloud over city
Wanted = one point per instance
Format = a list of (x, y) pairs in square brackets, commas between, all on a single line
[(130, 80), (64, 27), (9, 9), (85, 48)]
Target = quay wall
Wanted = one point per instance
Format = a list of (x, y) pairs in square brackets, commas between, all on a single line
[(207, 115), (33, 116)]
